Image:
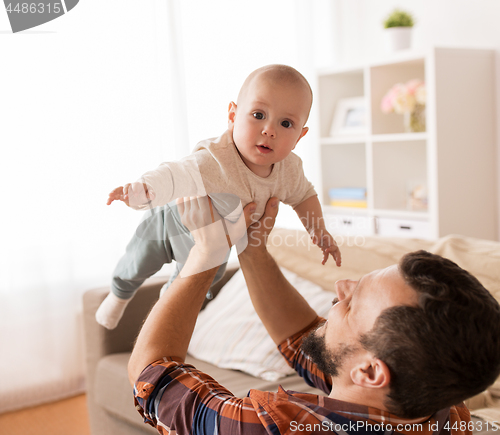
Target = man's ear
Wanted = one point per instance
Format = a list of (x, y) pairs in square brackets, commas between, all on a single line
[(371, 373), (231, 114)]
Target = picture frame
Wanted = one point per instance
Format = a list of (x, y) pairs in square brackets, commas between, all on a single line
[(349, 117)]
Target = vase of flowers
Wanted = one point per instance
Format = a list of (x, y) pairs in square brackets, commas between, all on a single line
[(409, 100), (398, 30)]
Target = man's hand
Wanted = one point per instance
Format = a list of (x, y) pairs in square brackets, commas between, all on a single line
[(258, 232), (132, 194)]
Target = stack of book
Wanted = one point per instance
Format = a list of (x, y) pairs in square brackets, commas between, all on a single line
[(348, 197)]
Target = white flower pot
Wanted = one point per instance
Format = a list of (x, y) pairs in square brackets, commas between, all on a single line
[(398, 38)]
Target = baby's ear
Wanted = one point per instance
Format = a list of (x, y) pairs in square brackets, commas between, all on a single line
[(231, 112), (302, 134)]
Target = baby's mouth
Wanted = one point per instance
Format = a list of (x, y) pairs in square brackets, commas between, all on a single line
[(264, 149)]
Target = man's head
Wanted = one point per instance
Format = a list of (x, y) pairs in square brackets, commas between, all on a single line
[(425, 332), (270, 116)]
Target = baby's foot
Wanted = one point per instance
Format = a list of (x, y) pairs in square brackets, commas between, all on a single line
[(111, 311)]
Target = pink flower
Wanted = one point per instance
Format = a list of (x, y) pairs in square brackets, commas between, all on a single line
[(402, 98), (412, 85), (386, 104)]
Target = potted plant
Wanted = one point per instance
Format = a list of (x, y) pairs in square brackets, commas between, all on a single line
[(398, 26)]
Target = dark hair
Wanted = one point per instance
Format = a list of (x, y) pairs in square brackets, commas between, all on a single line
[(444, 350)]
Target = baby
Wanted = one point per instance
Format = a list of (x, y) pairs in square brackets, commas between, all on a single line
[(253, 160)]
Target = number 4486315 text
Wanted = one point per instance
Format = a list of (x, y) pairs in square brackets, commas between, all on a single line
[(34, 8)]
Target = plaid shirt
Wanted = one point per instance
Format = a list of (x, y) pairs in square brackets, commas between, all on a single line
[(176, 398)]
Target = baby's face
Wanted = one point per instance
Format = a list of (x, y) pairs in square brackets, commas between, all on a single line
[(268, 122)]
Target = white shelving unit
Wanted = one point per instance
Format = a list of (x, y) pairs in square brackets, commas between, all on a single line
[(454, 159)]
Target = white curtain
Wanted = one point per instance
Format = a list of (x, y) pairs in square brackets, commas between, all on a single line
[(91, 101), (85, 107)]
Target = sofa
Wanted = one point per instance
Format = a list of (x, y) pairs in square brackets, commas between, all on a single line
[(109, 394)]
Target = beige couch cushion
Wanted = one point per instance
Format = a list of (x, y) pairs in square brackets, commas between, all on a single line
[(479, 257), (113, 391), (294, 250)]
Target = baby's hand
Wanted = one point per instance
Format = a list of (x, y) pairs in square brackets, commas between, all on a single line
[(131, 194), (326, 242)]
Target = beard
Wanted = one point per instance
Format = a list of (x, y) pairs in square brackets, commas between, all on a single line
[(328, 361)]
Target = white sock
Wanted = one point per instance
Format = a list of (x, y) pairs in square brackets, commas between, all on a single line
[(111, 311)]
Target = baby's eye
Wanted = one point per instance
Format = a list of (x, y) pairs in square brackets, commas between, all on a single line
[(258, 115), (335, 301), (286, 124)]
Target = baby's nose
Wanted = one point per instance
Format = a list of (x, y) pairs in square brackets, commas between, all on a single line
[(269, 131)]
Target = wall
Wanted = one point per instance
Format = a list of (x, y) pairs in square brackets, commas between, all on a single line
[(217, 43), (450, 23)]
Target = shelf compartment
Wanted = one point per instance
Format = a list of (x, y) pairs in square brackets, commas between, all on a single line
[(343, 165), (383, 78), (347, 84), (398, 167)]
